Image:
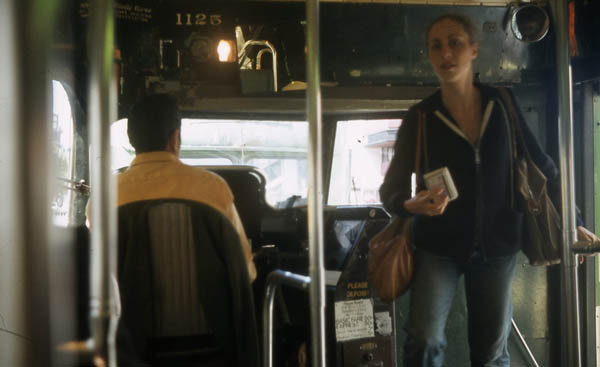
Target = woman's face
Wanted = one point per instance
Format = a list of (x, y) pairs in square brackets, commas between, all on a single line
[(450, 51)]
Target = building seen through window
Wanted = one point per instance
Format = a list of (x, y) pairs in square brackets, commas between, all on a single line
[(61, 145), (362, 153)]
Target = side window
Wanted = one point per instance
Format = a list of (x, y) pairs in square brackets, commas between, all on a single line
[(362, 153), (63, 154)]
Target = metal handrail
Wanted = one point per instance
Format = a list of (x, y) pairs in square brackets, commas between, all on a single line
[(259, 57), (276, 278), (524, 343), (315, 185), (571, 356), (586, 247), (273, 52), (26, 40), (161, 51), (102, 111)]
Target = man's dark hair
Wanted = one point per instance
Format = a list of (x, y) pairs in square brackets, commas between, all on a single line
[(152, 121)]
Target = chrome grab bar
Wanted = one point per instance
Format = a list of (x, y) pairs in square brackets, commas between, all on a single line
[(102, 111), (26, 39), (570, 330), (316, 242), (524, 343), (259, 57), (161, 51), (275, 278), (586, 247), (270, 46)]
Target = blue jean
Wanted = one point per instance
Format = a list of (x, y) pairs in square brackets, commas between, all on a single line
[(488, 290)]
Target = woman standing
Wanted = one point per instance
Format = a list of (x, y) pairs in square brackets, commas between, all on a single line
[(478, 234)]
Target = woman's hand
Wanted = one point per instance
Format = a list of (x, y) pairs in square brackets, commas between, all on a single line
[(583, 235), (427, 202)]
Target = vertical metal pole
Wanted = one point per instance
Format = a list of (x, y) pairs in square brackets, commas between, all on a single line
[(571, 355), (588, 172), (101, 113), (13, 337), (36, 23), (315, 186), (596, 262)]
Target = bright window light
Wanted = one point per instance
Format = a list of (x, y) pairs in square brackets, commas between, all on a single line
[(362, 154), (63, 155), (277, 148)]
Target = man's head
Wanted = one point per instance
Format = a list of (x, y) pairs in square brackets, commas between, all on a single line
[(154, 123)]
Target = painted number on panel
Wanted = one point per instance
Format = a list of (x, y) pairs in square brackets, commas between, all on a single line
[(189, 19)]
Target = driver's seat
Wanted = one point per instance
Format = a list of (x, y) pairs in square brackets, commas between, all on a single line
[(185, 292)]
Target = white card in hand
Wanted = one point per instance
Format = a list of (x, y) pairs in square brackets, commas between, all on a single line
[(441, 178)]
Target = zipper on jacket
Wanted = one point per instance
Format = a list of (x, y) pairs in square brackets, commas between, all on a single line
[(477, 156), (478, 230), (511, 154)]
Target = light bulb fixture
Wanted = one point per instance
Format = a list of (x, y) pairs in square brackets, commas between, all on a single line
[(226, 51)]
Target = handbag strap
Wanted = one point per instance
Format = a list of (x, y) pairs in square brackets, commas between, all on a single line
[(517, 133), (418, 145), (512, 154), (514, 119), (424, 142)]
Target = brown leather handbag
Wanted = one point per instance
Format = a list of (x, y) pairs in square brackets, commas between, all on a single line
[(390, 264), (542, 233), (391, 259)]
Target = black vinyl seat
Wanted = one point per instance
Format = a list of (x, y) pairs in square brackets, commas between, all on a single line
[(248, 186), (185, 292)]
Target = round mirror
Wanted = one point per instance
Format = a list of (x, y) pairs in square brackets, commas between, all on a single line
[(529, 23)]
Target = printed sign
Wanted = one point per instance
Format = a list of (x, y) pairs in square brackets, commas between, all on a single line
[(189, 19), (354, 319), (123, 11), (357, 290)]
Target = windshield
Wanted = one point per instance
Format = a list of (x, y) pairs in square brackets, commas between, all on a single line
[(277, 148)]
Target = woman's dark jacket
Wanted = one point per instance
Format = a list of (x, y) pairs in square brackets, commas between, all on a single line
[(482, 218)]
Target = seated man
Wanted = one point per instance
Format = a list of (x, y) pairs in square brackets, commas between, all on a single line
[(157, 173)]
